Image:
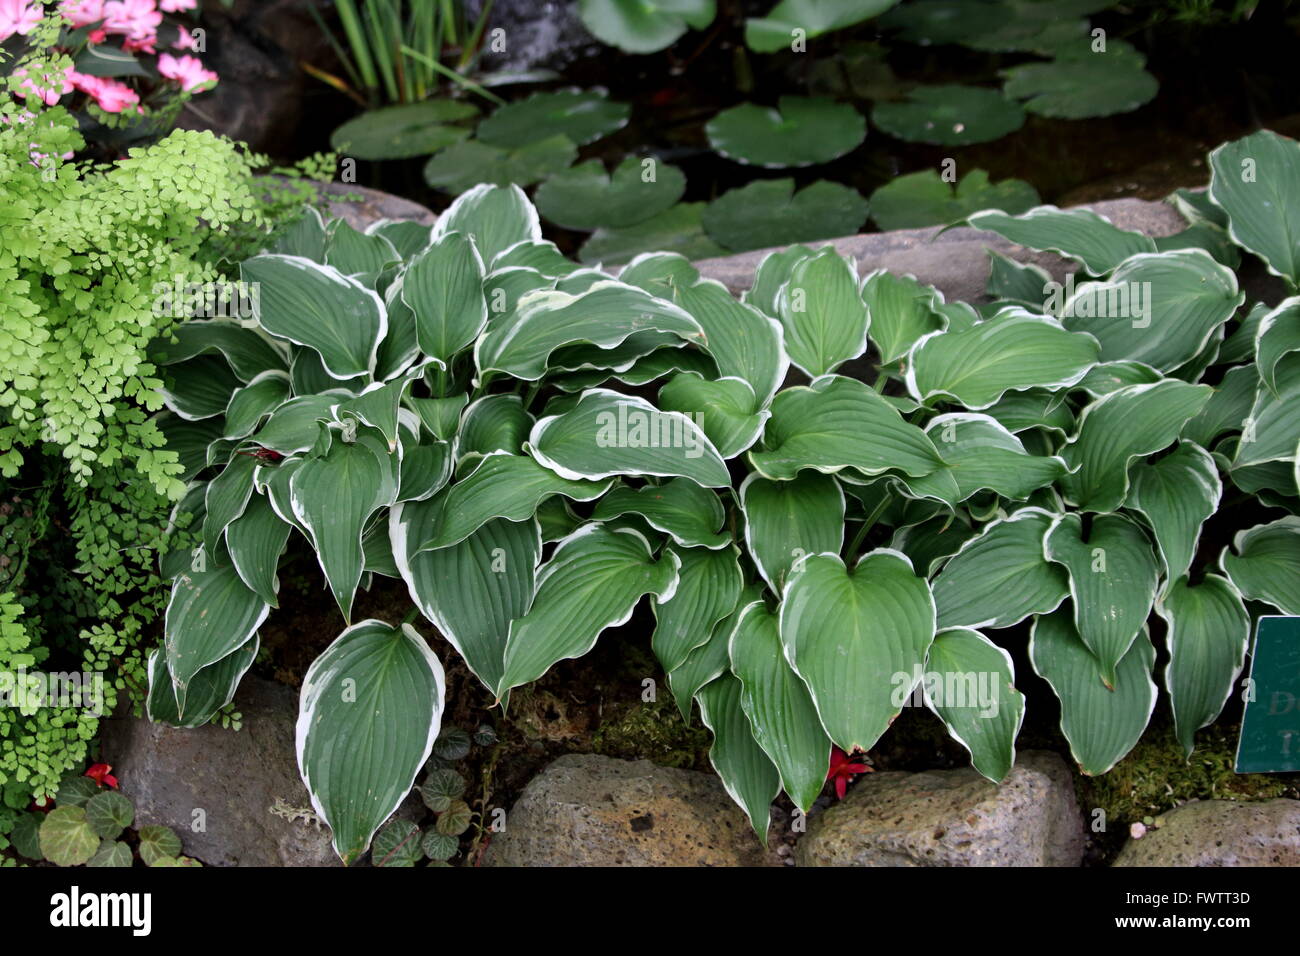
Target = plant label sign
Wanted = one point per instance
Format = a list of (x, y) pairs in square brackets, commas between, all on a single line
[(1270, 728)]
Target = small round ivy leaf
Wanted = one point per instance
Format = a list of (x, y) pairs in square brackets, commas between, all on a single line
[(801, 131), (768, 212), (109, 813), (486, 735), (455, 820), (439, 846), (74, 790), (452, 744), (679, 229), (156, 842), (584, 116), (924, 199), (440, 788), (469, 163), (175, 861), (586, 197), (26, 835), (950, 116), (1081, 88), (67, 839), (396, 844), (111, 854), (400, 132)]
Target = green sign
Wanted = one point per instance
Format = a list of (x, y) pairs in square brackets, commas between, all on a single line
[(1270, 729)]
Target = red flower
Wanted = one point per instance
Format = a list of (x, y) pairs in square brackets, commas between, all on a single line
[(101, 775), (843, 769)]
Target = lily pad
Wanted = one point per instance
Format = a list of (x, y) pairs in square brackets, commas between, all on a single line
[(770, 213), (400, 132), (640, 27), (924, 199), (814, 17), (586, 197), (950, 116), (678, 229), (469, 163), (1079, 87), (584, 116), (801, 131)]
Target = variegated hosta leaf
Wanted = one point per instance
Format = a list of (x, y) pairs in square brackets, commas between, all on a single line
[(1227, 409), (1209, 631), (1102, 725), (593, 581), (1113, 578), (745, 343), (443, 287), (785, 520), (692, 516), (930, 542), (1112, 376), (970, 685), (200, 388), (377, 406), (1175, 495), (1271, 430), (1278, 336), (839, 423), (227, 497), (441, 416), (1001, 577), (749, 776), (822, 312), (1012, 351), (858, 639), (982, 455), (1077, 233), (256, 540), (313, 305), (295, 426), (370, 709), (1119, 427), (708, 660), (1157, 308), (604, 315), (772, 272), (722, 407), (250, 405), (494, 217), (207, 692), (248, 352), (607, 434), (501, 486), (900, 313), (1266, 563), (707, 590), (493, 423), (210, 615), (781, 712), (1254, 179), (425, 469), (1037, 408)]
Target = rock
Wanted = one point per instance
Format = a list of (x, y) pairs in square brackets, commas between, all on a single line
[(952, 818), (235, 778), (373, 205), (587, 810), (536, 36), (1220, 833)]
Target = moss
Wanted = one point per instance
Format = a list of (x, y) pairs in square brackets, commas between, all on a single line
[(654, 731)]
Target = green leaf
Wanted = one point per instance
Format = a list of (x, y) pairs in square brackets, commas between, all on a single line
[(593, 581), (967, 677), (207, 692), (679, 229), (248, 352), (1078, 234), (1081, 87), (858, 639), (1102, 725), (495, 217), (1278, 336), (401, 132), (199, 388), (780, 709), (637, 27), (1266, 565), (1036, 408), (801, 131), (823, 314), (584, 116), (471, 163), (768, 212), (1209, 632), (438, 846), (26, 835), (1253, 180), (916, 200), (981, 455), (1175, 496), (364, 256), (256, 540), (607, 434), (381, 689), (1271, 430), (949, 115), (313, 305), (721, 408), (811, 17), (67, 838), (397, 844), (839, 423), (692, 516), (250, 405), (1227, 408), (744, 342), (786, 520), (158, 842), (709, 584), (100, 59), (1113, 578), (900, 313), (226, 498), (75, 790), (109, 813), (443, 286), (294, 427), (111, 853), (1117, 428), (586, 197), (455, 820), (1001, 577), (750, 778), (709, 659), (1012, 351)]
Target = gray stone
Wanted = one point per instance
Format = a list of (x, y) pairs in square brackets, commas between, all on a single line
[(360, 206), (236, 778), (1220, 833), (587, 810), (952, 818)]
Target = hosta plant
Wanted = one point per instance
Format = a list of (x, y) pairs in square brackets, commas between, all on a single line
[(839, 496)]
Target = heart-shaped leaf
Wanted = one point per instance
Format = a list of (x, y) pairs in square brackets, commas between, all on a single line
[(400, 132), (1266, 565), (916, 200), (709, 585), (586, 197), (583, 116), (1252, 180), (786, 520), (801, 131), (768, 212), (950, 115), (471, 163), (822, 312), (638, 27)]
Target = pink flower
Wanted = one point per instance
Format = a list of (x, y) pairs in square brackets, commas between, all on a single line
[(48, 87), (184, 40), (137, 20), (18, 16), (112, 96), (176, 6), (82, 13), (186, 70)]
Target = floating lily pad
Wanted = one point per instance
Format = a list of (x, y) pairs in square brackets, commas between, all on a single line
[(678, 229), (770, 213), (814, 17), (586, 197), (400, 132), (469, 163), (950, 116), (584, 116), (1079, 87), (924, 199), (640, 27), (1000, 25), (800, 132)]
